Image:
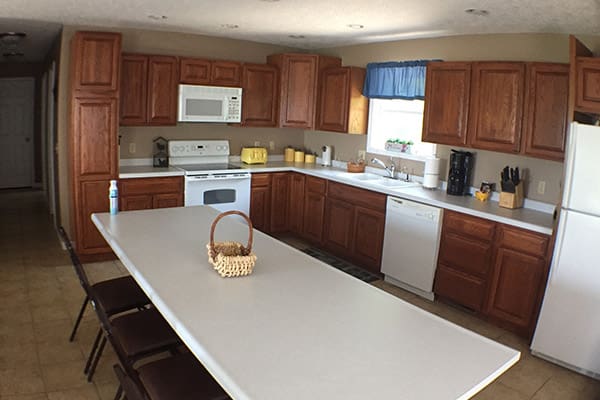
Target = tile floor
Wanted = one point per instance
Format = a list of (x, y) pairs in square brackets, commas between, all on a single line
[(40, 297)]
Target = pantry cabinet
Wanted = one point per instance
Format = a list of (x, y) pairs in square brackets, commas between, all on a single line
[(95, 61), (342, 107), (149, 193), (260, 84), (148, 90), (198, 71)]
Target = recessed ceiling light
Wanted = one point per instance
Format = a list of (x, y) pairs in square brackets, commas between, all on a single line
[(229, 26), (356, 26), (296, 36), (158, 17), (477, 11)]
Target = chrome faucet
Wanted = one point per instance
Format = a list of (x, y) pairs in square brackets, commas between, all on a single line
[(391, 170)]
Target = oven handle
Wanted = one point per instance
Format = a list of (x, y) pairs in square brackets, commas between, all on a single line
[(217, 177)]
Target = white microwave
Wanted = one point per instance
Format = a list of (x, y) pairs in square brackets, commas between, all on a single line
[(209, 104)]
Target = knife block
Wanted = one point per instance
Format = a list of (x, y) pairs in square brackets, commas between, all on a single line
[(512, 200)]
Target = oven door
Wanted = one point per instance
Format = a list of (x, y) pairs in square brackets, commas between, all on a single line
[(224, 192)]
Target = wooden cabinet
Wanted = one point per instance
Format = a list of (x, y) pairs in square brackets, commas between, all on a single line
[(588, 85), (447, 94), (296, 210), (342, 107), (496, 106), (280, 199), (464, 259), (260, 201), (314, 209), (93, 123), (545, 126), (518, 279), (260, 84), (148, 90), (354, 224), (298, 87), (198, 71), (95, 61), (148, 193)]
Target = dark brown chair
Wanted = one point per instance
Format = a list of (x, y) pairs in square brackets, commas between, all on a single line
[(180, 377)]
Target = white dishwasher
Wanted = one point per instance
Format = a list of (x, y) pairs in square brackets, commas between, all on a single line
[(410, 245)]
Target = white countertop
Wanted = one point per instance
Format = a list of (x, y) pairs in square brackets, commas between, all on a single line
[(296, 328), (525, 218)]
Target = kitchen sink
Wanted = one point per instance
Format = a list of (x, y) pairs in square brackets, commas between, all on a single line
[(387, 182), (365, 176)]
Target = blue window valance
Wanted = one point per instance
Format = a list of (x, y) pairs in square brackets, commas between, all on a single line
[(396, 80)]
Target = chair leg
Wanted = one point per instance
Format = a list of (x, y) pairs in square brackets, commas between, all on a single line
[(119, 393), (79, 317), (92, 351), (96, 359)]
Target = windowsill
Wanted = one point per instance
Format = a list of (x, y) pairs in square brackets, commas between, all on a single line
[(406, 156)]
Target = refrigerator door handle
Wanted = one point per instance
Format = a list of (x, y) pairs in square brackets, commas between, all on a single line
[(560, 234)]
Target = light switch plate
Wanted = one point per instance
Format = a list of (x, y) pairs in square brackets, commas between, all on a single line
[(362, 154), (131, 148)]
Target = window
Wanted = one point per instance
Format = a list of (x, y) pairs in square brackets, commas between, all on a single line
[(401, 122)]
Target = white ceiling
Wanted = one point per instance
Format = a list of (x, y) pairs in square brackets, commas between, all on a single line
[(324, 23)]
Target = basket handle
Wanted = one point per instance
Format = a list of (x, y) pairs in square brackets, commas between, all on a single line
[(224, 214)]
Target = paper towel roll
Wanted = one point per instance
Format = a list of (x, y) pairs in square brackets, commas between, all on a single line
[(431, 174)]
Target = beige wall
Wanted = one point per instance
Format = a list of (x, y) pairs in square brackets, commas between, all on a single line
[(518, 47)]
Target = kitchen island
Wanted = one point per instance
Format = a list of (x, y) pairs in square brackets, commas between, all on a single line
[(296, 328)]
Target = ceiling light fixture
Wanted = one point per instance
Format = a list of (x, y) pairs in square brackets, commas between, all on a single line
[(355, 26), (296, 36), (478, 12), (11, 39), (158, 17), (229, 26)]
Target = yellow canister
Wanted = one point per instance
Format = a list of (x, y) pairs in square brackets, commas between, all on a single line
[(299, 156), (309, 158), (289, 155)]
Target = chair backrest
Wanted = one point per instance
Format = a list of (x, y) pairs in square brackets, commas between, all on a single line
[(131, 390), (83, 279)]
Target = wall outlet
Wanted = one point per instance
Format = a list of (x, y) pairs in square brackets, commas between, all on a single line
[(271, 145), (541, 188), (131, 148), (256, 143), (362, 154)]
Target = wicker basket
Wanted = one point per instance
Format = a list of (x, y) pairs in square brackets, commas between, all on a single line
[(355, 167), (231, 259)]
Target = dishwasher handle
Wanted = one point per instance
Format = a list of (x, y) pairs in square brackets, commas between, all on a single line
[(413, 209)]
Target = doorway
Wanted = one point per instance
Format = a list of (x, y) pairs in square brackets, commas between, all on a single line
[(16, 132)]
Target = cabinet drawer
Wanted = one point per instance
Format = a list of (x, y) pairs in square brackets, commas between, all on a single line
[(261, 180), (316, 185), (522, 240), (465, 254), (362, 197), (472, 226), (146, 186), (460, 288)]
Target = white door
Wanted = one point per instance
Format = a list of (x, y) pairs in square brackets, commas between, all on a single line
[(16, 132)]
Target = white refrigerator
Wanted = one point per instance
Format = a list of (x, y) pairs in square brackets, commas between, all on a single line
[(568, 328)]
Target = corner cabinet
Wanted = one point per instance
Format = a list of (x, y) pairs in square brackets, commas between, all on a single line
[(342, 107), (447, 94), (93, 124), (259, 95)]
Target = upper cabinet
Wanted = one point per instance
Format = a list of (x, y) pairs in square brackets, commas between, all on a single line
[(496, 109), (511, 107), (298, 87), (588, 85), (95, 61), (259, 95), (198, 71), (342, 107), (447, 91), (148, 90)]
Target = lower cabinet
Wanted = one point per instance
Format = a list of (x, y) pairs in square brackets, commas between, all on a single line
[(339, 221), (280, 202), (369, 227), (94, 199), (296, 211), (260, 201), (314, 209), (148, 193)]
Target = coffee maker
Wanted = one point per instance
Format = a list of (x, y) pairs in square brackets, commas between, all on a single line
[(459, 173)]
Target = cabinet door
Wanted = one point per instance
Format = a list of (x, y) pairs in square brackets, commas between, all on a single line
[(339, 222), (460, 288), (96, 57), (94, 135), (134, 89), (260, 206), (369, 226), (225, 73), (92, 198), (165, 200), (588, 85), (334, 97), (516, 282), (314, 216), (464, 254), (280, 199), (162, 90), (546, 114), (140, 202), (194, 71), (259, 96), (496, 106), (296, 211), (447, 96)]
